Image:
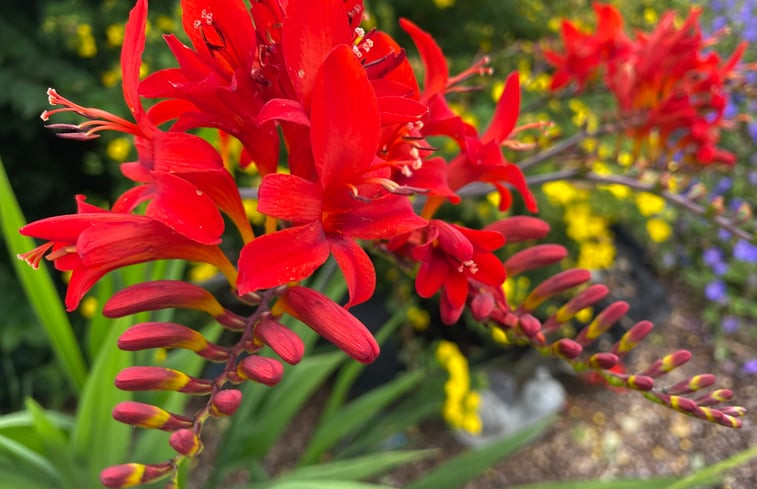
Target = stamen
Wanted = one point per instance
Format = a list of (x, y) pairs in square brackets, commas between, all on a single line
[(478, 68), (470, 265), (34, 256)]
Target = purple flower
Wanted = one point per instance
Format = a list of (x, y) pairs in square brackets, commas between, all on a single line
[(730, 324), (753, 177), (711, 256), (750, 366), (752, 127), (724, 235), (723, 185), (715, 291), (745, 251)]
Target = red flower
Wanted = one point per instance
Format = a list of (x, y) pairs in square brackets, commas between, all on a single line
[(346, 202), (186, 182), (94, 242)]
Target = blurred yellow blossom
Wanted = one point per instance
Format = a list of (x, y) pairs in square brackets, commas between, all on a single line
[(444, 3), (114, 34), (649, 204), (418, 318), (200, 272), (461, 403), (596, 255), (585, 314), (658, 229), (559, 192), (86, 46), (88, 307), (111, 77), (118, 149)]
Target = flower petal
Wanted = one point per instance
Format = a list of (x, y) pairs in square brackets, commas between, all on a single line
[(506, 113), (289, 197), (356, 266), (345, 119), (437, 72), (282, 257)]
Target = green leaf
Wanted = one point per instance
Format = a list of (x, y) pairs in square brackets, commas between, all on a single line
[(463, 468), (707, 475), (357, 414), (98, 440), (609, 484), (358, 468), (13, 479), (15, 456), (318, 484), (40, 289)]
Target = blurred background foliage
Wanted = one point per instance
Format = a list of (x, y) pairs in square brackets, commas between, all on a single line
[(74, 45)]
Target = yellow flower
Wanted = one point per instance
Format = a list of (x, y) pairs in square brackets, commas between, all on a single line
[(585, 314), (649, 204), (444, 3), (559, 192), (418, 318), (88, 307), (596, 255), (499, 336), (650, 16), (658, 229), (118, 149), (201, 272), (114, 33)]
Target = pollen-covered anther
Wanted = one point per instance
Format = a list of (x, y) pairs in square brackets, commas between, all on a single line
[(470, 265)]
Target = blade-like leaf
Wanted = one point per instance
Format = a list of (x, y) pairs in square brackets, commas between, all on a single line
[(707, 475), (357, 414), (463, 468), (40, 289), (358, 468), (97, 439), (27, 462), (610, 484), (319, 484), (13, 479)]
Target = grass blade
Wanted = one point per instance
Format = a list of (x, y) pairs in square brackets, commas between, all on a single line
[(40, 290), (463, 468), (358, 468), (609, 484)]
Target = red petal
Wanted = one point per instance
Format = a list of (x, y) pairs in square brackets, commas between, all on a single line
[(506, 114), (345, 119), (184, 208), (437, 72), (431, 275), (356, 266), (332, 322), (306, 42), (282, 257), (178, 152), (381, 218), (289, 197), (131, 56), (399, 110), (283, 110)]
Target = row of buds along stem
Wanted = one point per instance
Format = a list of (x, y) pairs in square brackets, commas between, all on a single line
[(242, 360), (520, 323)]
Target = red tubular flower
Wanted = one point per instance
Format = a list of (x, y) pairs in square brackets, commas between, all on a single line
[(343, 205), (225, 402), (185, 181), (170, 335), (264, 370), (185, 442), (331, 321), (94, 242), (147, 416), (160, 378), (281, 339)]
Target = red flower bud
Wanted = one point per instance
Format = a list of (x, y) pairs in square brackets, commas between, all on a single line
[(128, 475), (567, 348), (668, 363), (520, 228), (639, 382), (715, 397), (185, 442), (265, 370), (482, 305), (692, 384), (604, 320), (281, 339), (603, 361), (331, 321), (529, 325), (632, 337), (554, 285), (587, 297), (147, 416), (534, 257), (160, 378), (170, 335), (225, 402), (161, 294)]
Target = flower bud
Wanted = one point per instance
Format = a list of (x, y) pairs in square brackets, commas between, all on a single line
[(147, 416), (529, 325), (632, 337), (587, 297), (603, 361), (170, 335), (567, 348), (160, 378), (281, 339), (639, 382), (534, 257), (128, 475), (520, 228), (161, 294), (225, 402), (667, 363), (331, 321), (554, 285), (265, 370), (185, 442), (604, 321), (482, 305), (692, 384), (715, 397)]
